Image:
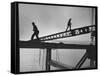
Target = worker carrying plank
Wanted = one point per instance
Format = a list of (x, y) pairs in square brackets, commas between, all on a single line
[(36, 31)]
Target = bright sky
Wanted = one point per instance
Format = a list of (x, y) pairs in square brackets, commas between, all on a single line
[(52, 19)]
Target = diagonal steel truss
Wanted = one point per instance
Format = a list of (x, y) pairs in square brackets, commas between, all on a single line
[(73, 32)]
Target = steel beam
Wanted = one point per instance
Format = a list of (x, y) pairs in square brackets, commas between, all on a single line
[(73, 32)]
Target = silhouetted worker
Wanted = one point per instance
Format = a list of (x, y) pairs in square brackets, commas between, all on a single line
[(36, 31), (69, 24)]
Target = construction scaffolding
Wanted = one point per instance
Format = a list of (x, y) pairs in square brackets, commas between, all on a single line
[(48, 46)]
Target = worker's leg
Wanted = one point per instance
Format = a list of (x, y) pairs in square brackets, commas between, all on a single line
[(37, 35), (70, 27), (67, 28), (32, 36)]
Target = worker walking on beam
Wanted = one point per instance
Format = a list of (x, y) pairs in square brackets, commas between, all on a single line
[(36, 31), (69, 25)]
